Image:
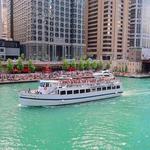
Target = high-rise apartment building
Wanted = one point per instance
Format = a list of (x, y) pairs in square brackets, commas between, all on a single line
[(4, 18), (10, 27), (49, 29), (0, 19), (140, 27), (107, 29)]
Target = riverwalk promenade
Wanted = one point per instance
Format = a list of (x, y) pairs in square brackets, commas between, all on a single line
[(20, 78)]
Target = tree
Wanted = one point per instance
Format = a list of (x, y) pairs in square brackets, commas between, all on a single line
[(31, 66), (1, 67), (99, 65), (107, 66), (81, 65), (94, 65), (20, 64), (65, 64), (122, 69), (87, 64), (73, 64), (10, 65), (22, 56), (84, 57), (126, 68), (115, 69)]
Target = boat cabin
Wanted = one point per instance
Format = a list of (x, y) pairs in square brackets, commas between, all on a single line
[(104, 73), (47, 86)]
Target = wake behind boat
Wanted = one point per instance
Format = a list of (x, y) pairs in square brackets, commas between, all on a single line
[(70, 91)]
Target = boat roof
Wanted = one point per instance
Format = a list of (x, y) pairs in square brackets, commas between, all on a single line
[(49, 81), (98, 73)]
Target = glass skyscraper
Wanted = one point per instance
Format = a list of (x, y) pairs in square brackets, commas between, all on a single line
[(49, 29), (4, 18), (140, 27), (0, 19)]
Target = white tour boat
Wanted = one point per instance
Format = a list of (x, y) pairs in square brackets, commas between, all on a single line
[(71, 91)]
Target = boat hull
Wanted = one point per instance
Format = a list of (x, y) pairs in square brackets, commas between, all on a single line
[(55, 100)]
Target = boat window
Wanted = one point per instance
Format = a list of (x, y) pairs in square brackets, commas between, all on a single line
[(98, 89), (82, 91), (106, 75), (76, 91), (63, 93), (103, 88), (93, 89), (87, 90), (113, 87), (118, 86), (109, 88), (69, 92), (47, 84), (42, 84)]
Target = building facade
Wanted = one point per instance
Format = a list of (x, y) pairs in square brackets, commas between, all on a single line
[(49, 29), (9, 49), (10, 27), (140, 27), (4, 19), (0, 19), (107, 29)]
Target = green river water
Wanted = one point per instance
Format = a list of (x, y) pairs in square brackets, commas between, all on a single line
[(121, 123)]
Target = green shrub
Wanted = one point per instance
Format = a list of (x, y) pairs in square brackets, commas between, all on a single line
[(20, 64), (10, 65), (73, 64), (94, 65), (31, 66), (1, 67), (99, 65), (87, 64), (65, 64), (81, 65), (107, 66)]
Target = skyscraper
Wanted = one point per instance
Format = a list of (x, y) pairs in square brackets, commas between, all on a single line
[(140, 27), (49, 29), (107, 29), (0, 19), (4, 19), (10, 27)]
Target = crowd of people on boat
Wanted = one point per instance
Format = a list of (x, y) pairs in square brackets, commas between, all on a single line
[(73, 74), (87, 81), (82, 75)]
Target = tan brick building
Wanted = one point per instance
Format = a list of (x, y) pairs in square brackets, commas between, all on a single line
[(107, 29)]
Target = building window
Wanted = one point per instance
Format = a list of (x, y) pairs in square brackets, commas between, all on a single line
[(1, 50)]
